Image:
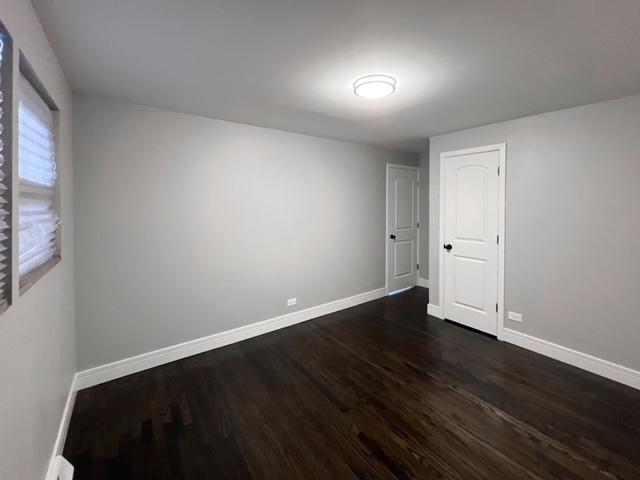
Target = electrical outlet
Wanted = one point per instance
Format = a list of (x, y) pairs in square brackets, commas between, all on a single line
[(516, 317), (291, 302)]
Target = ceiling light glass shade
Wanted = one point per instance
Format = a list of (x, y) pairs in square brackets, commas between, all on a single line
[(374, 86)]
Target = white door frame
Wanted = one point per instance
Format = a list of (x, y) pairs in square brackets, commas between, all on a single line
[(502, 149), (386, 222)]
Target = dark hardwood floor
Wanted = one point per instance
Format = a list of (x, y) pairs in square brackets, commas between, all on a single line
[(373, 392)]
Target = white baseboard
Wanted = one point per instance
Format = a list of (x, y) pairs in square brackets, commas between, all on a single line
[(435, 311), (423, 282), (60, 469), (581, 360), (121, 368), (54, 464), (402, 290)]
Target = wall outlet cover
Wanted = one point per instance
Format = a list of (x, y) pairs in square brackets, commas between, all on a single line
[(516, 317), (291, 302)]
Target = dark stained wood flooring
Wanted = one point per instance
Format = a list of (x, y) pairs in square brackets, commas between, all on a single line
[(374, 392)]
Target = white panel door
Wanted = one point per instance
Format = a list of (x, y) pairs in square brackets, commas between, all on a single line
[(471, 239), (402, 228)]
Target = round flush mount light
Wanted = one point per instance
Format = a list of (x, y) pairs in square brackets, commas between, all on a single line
[(373, 87)]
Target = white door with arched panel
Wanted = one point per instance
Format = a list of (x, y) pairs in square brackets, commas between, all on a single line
[(402, 227), (470, 246)]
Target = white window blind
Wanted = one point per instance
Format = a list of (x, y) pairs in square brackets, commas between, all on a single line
[(5, 236), (37, 173)]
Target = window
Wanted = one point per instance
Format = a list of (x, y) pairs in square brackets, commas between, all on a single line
[(38, 218), (5, 167)]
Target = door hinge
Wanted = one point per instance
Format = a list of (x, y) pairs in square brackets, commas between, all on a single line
[(418, 266), (417, 224), (498, 169), (498, 239), (496, 308)]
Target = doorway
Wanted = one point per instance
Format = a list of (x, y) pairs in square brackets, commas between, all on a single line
[(472, 200), (402, 228)]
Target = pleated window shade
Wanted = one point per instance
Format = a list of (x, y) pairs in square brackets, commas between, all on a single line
[(38, 219), (5, 169)]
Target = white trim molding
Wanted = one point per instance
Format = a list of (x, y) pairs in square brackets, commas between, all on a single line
[(402, 290), (592, 364), (127, 366), (502, 199), (56, 465), (60, 469), (423, 282), (435, 311)]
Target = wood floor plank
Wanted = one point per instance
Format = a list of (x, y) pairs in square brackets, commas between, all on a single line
[(373, 392)]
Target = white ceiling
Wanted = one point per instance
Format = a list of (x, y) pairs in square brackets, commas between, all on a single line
[(289, 64)]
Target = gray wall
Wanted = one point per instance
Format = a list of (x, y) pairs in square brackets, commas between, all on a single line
[(37, 357), (572, 224), (423, 243), (188, 226)]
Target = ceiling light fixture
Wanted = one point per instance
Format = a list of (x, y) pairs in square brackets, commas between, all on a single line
[(373, 87)]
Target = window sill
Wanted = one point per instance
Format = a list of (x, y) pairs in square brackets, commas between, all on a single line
[(30, 279)]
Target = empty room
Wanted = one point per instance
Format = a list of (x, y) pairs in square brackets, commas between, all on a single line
[(319, 239)]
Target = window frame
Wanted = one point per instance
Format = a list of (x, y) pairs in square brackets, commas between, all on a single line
[(28, 280), (6, 72)]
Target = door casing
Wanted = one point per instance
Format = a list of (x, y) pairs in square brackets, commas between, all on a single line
[(501, 148), (386, 222)]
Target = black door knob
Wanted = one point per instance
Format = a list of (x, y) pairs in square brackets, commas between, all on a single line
[(392, 236), (448, 247)]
